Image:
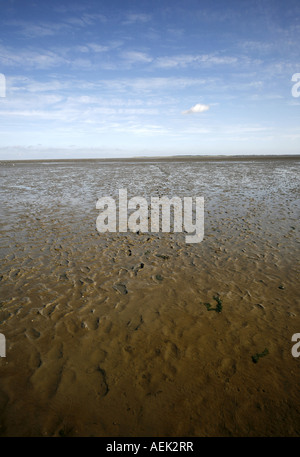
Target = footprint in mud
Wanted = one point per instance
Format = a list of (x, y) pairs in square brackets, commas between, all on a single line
[(15, 273), (35, 360), (32, 333), (228, 367), (89, 382), (102, 386), (140, 323), (85, 281), (162, 256), (88, 280), (121, 288), (72, 326), (127, 352), (107, 326), (46, 378), (144, 380), (171, 351), (137, 268), (171, 354), (96, 323), (64, 277), (48, 309)]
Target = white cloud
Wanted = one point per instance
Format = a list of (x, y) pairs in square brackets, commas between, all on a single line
[(182, 61), (42, 29), (26, 58), (198, 108), (86, 20), (135, 56), (98, 47), (133, 18), (149, 85), (92, 46)]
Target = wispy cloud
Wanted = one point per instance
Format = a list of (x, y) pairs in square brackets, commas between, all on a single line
[(197, 109), (30, 29), (134, 18), (86, 19), (42, 29), (42, 59), (190, 59), (143, 86), (95, 47), (136, 57)]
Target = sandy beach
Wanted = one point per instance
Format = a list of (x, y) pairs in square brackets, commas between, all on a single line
[(111, 334)]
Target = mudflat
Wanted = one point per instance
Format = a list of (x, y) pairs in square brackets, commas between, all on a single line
[(142, 334)]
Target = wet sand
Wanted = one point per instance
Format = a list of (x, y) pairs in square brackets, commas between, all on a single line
[(111, 335)]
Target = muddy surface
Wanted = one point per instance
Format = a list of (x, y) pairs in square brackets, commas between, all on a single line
[(111, 334)]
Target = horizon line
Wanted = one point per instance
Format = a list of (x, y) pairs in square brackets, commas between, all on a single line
[(190, 157)]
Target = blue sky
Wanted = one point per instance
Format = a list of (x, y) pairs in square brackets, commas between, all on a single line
[(135, 78)]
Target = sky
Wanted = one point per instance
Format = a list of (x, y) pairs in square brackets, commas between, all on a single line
[(120, 78)]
